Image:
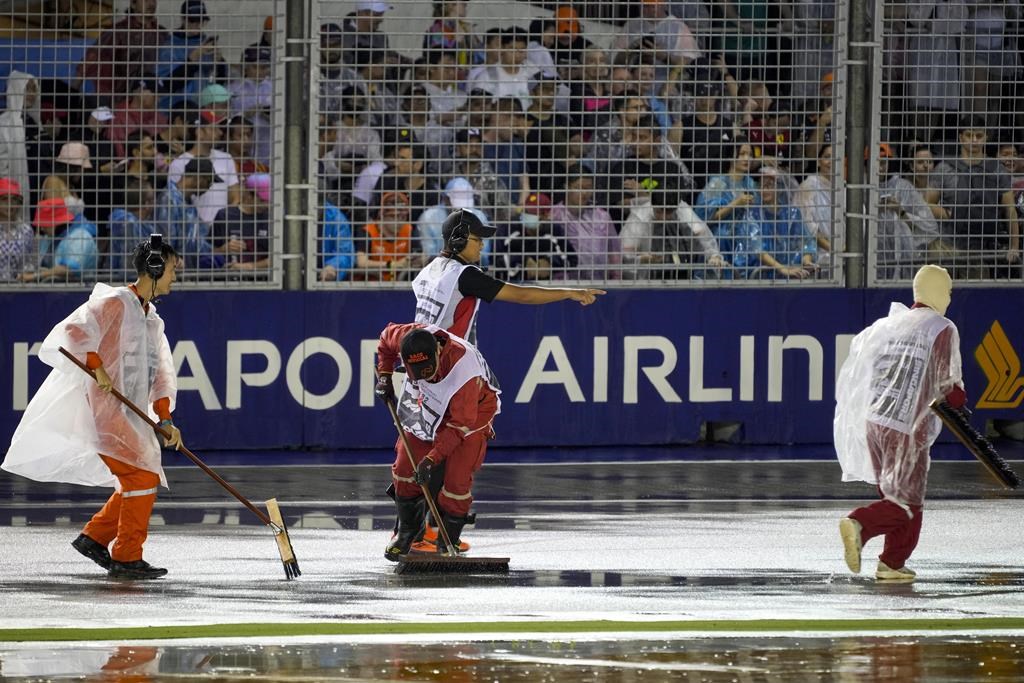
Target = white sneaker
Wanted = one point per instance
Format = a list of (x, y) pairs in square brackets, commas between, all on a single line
[(886, 573), (849, 530)]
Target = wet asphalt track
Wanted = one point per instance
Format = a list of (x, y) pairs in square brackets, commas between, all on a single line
[(722, 543)]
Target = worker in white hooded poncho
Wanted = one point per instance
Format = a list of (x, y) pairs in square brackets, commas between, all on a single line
[(883, 426), (75, 431)]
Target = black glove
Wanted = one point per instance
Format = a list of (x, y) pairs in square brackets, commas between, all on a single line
[(422, 475), (385, 390)]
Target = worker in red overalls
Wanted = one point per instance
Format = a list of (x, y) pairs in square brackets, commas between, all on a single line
[(446, 411)]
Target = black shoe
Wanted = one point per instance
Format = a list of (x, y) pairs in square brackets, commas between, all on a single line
[(454, 527), (139, 569), (93, 550)]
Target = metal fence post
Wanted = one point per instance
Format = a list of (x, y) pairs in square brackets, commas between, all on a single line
[(857, 114), (295, 141)]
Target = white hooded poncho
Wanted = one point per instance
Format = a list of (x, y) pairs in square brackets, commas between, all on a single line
[(70, 420), (888, 380)]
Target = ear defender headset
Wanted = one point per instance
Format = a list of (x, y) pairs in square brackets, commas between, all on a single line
[(460, 234), (154, 259)]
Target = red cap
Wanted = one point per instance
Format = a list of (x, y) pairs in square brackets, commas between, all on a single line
[(52, 213), (538, 199), (9, 187)]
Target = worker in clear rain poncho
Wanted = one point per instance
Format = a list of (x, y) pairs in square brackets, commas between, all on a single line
[(883, 426), (75, 431)]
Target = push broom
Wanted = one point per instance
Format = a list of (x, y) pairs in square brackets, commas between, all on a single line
[(450, 561), (274, 520), (980, 447)]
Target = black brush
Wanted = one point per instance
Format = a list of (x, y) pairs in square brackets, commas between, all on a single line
[(976, 443)]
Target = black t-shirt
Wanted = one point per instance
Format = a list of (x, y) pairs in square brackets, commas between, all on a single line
[(708, 150), (547, 243), (253, 229), (651, 174), (475, 282), (572, 53)]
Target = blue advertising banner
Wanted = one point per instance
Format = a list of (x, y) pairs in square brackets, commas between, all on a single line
[(282, 370)]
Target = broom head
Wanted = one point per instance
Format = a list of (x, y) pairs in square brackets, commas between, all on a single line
[(284, 543), (438, 563)]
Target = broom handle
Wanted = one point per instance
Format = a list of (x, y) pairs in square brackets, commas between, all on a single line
[(423, 487), (181, 449)]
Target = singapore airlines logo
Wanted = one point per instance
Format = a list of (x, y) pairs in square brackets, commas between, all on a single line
[(1001, 366)]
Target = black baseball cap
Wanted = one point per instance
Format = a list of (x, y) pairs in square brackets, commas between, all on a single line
[(464, 135), (194, 9), (419, 349), (470, 219)]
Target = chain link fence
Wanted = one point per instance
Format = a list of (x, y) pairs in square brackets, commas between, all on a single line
[(655, 142)]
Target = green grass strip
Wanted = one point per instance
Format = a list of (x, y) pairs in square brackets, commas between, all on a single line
[(278, 630)]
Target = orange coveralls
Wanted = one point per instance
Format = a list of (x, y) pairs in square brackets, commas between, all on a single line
[(125, 517)]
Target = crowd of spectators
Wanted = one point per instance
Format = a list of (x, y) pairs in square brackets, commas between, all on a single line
[(696, 143), (158, 132)]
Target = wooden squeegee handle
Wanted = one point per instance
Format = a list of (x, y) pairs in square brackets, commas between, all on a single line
[(181, 449)]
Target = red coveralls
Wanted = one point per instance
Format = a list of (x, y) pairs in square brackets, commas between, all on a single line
[(460, 441), (902, 531), (125, 517)]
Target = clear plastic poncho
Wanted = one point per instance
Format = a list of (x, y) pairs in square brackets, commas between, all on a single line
[(70, 420), (894, 370)]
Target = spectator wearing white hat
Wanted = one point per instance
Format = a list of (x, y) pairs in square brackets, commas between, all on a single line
[(65, 180), (458, 194)]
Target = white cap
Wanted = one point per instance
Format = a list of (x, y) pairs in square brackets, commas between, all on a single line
[(374, 6), (102, 114), (933, 287), (460, 193)]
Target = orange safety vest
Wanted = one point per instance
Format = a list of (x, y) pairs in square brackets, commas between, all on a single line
[(388, 249)]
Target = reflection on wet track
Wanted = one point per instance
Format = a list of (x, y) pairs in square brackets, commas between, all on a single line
[(898, 659)]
